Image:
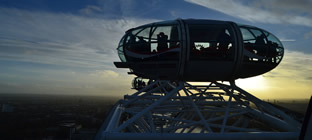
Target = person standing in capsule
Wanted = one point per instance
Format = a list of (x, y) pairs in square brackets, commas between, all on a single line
[(162, 42)]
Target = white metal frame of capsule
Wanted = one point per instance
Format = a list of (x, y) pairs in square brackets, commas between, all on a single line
[(180, 110)]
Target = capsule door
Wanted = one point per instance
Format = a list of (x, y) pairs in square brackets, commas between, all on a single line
[(211, 50)]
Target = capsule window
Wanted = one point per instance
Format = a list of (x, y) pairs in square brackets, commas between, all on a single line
[(261, 46), (137, 41), (255, 45), (165, 42), (211, 42), (120, 50), (153, 43), (276, 49)]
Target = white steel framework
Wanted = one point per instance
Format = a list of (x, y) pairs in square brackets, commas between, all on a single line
[(180, 110)]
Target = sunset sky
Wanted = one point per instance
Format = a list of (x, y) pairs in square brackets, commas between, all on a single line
[(69, 46)]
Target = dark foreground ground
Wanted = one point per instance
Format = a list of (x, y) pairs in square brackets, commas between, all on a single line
[(33, 116)]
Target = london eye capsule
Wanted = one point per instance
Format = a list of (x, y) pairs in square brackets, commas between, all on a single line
[(198, 50)]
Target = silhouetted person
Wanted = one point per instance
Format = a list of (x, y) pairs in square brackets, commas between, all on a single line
[(143, 45), (162, 42), (141, 84), (273, 51), (260, 45), (260, 39), (131, 43), (224, 41)]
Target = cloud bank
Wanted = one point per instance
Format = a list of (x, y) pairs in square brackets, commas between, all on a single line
[(61, 39), (296, 12), (43, 52)]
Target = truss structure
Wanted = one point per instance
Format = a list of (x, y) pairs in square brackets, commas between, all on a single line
[(180, 110)]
